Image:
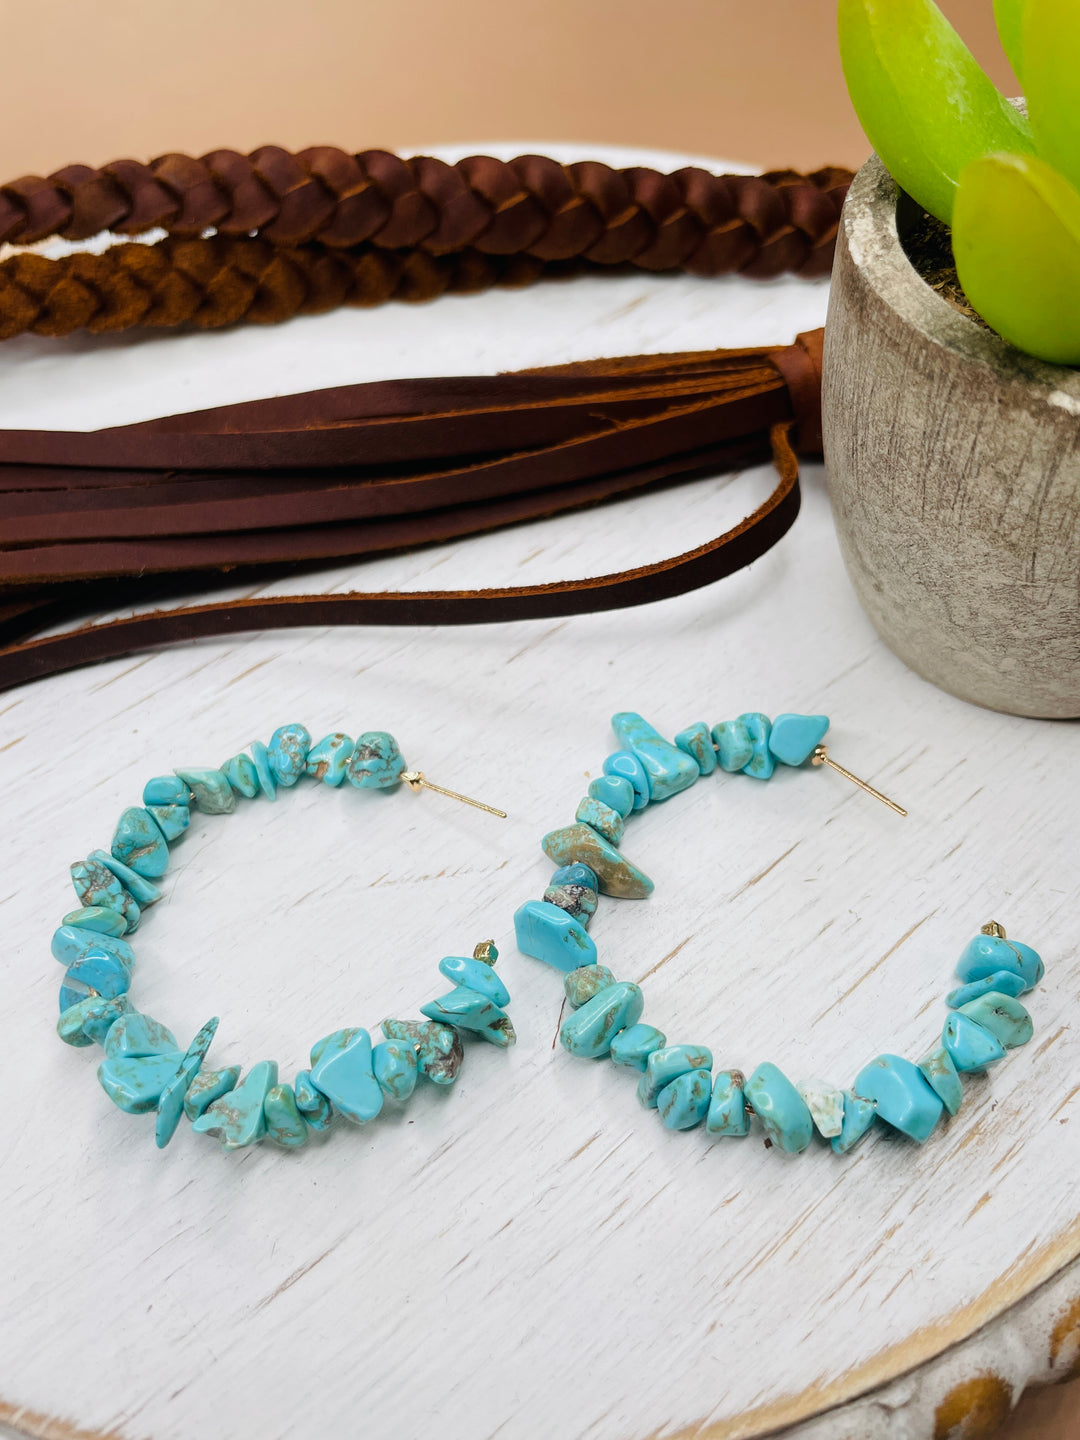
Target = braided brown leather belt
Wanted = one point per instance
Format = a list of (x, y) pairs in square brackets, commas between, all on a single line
[(115, 517)]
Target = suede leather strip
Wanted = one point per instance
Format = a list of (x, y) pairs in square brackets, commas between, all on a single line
[(220, 280), (521, 446), (69, 529), (33, 659), (121, 517)]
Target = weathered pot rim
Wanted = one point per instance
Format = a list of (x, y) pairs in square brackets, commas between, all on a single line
[(870, 228)]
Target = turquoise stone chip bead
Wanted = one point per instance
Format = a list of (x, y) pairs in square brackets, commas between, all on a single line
[(1030, 961), (734, 747), (475, 975), (98, 888), (439, 1052), (136, 1036), (135, 1083), (376, 761), (171, 820), (633, 1046), (143, 890), (208, 1086), (99, 919), (668, 1064), (603, 819), (858, 1117), (284, 1123), (170, 1106), (684, 1103), (139, 844), (575, 897), (173, 1100), (1005, 982), (395, 1066), (582, 984), (942, 1075), (242, 776), (89, 1021), (1003, 1016), (211, 790), (904, 1097), (696, 741), (552, 935), (615, 874), (288, 753), (329, 759), (261, 757), (986, 954), (613, 790), (669, 770), (826, 1105), (761, 764), (166, 790), (794, 738), (576, 874), (69, 944), (237, 1118), (311, 1103), (590, 1030), (466, 1010), (727, 1113), (97, 972), (970, 1046), (784, 1114), (201, 1044), (625, 765), (341, 1068)]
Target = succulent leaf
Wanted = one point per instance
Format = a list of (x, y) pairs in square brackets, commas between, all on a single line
[(1009, 18), (1016, 240), (1051, 41), (927, 107)]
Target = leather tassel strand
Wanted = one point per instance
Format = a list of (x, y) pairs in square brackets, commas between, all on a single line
[(120, 517)]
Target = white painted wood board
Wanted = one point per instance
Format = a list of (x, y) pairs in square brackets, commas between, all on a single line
[(530, 1254)]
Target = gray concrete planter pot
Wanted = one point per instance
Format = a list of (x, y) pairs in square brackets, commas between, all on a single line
[(954, 472)]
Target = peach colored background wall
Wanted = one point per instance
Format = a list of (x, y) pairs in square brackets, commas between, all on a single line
[(759, 80), (93, 80)]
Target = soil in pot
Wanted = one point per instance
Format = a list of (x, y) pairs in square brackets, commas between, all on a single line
[(927, 242)]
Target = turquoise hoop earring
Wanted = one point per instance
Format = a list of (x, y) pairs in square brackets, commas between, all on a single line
[(144, 1069), (678, 1081)]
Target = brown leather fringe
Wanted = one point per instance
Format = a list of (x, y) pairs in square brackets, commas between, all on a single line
[(717, 558), (389, 465), (690, 220), (119, 517)]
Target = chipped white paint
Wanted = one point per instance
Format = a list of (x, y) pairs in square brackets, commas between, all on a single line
[(530, 1254)]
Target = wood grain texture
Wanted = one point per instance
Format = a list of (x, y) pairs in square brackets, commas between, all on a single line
[(530, 1254)]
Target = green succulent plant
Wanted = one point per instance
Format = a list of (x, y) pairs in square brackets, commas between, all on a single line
[(1007, 184)]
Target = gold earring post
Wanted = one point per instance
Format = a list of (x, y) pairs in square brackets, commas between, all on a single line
[(417, 781), (821, 757)]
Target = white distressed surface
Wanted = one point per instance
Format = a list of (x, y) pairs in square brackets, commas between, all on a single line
[(529, 1254)]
